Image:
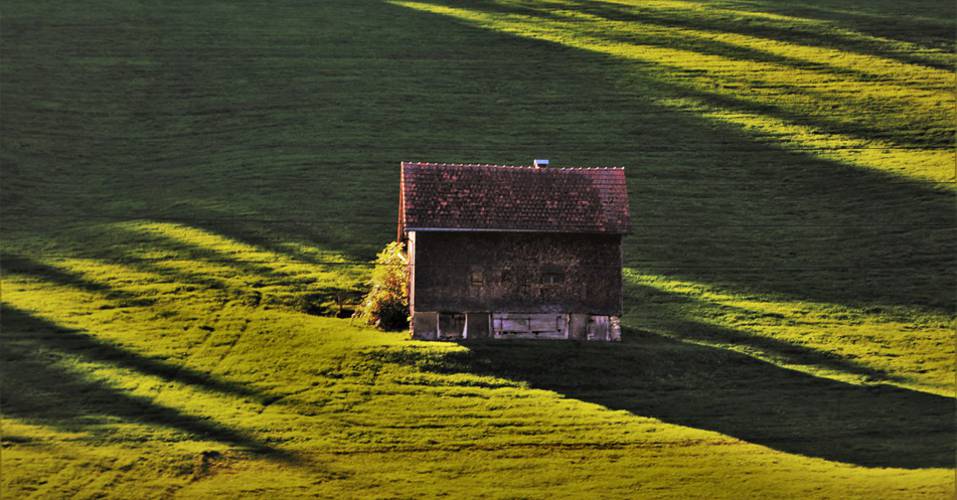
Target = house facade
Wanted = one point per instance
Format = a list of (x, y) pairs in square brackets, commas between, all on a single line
[(513, 252)]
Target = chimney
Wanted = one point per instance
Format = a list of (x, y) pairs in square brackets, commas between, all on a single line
[(540, 163)]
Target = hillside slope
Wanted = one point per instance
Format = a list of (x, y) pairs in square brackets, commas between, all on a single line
[(191, 192)]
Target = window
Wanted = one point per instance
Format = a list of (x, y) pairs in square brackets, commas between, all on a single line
[(553, 277), (476, 278)]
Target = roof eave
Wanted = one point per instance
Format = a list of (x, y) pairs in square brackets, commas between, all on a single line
[(509, 230)]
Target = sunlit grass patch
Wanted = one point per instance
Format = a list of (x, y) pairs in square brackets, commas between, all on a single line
[(936, 165), (900, 345), (163, 261), (330, 266)]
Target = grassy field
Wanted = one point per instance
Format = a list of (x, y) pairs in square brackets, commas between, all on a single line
[(192, 191)]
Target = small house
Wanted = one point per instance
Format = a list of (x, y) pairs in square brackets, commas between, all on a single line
[(513, 251)]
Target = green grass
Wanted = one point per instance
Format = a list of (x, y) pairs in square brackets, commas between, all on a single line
[(191, 192)]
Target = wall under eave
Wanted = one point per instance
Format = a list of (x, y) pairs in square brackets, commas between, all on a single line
[(516, 272)]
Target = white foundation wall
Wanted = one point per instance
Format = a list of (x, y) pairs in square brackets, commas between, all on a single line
[(429, 325)]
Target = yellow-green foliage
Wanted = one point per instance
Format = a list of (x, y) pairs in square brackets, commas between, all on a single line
[(191, 191), (387, 303)]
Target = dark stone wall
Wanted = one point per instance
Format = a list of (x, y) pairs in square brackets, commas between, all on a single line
[(517, 272)]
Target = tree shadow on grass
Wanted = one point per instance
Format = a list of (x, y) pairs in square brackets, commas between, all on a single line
[(710, 202), (38, 390), (848, 108), (258, 273), (733, 394), (674, 319), (929, 25), (778, 350), (809, 33), (41, 334), (853, 238), (317, 234), (716, 203), (19, 264)]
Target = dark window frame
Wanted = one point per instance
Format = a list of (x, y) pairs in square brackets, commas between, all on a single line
[(476, 278), (553, 277)]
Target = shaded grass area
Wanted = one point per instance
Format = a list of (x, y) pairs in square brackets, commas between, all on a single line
[(26, 335), (839, 91), (707, 388), (37, 393), (920, 33), (856, 345), (186, 187)]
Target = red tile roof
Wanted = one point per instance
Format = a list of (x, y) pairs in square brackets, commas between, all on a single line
[(439, 196)]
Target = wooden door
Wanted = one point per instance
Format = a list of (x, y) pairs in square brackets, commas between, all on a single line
[(529, 325)]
